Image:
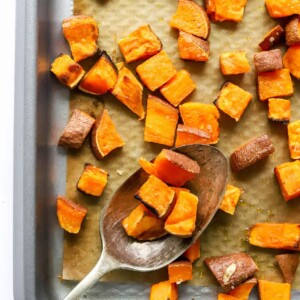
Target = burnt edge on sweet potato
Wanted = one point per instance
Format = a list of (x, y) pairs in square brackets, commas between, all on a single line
[(107, 57), (273, 37), (215, 101), (267, 61)]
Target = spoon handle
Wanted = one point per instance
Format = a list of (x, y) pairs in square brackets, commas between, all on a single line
[(104, 265)]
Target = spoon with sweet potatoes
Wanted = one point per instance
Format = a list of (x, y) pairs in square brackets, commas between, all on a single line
[(121, 251)]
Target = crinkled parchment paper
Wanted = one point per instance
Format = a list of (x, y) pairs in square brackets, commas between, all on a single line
[(261, 200)]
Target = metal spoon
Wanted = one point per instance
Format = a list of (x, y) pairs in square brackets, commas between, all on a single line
[(123, 252)]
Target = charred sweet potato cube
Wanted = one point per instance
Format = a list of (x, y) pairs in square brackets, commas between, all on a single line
[(275, 236), (193, 252), (251, 152), (67, 71), (230, 199), (164, 290), (142, 43), (81, 32), (180, 271), (129, 91), (227, 297), (275, 84), (143, 225), (243, 291), (292, 31), (156, 70), (189, 135), (291, 60), (76, 130), (105, 137), (233, 63), (157, 196), (267, 61), (273, 37), (161, 122), (70, 215), (273, 290), (288, 264), (202, 116), (294, 139), (192, 47), (191, 18), (181, 221), (283, 8), (231, 270), (279, 110), (178, 87), (288, 177), (92, 181), (233, 100)]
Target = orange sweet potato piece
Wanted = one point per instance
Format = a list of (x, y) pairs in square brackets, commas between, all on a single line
[(191, 18), (193, 252), (235, 62), (192, 47), (143, 225), (233, 100), (92, 180), (288, 264), (292, 31), (273, 290), (81, 32), (178, 87), (230, 199), (129, 91), (161, 122), (243, 291), (273, 37), (283, 8), (157, 196), (267, 61), (101, 78), (105, 137), (181, 221), (189, 135), (279, 110), (294, 139), (156, 70), (291, 60), (142, 43), (177, 190), (288, 177), (70, 215), (202, 116), (227, 297), (180, 271), (164, 290), (275, 236), (147, 166), (275, 84)]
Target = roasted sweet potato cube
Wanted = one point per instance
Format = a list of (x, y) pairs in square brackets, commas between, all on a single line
[(101, 78), (142, 43), (147, 166), (157, 196), (81, 32), (294, 139), (105, 137), (70, 215), (279, 110), (77, 129), (156, 71), (177, 190), (292, 31), (233, 63), (273, 37), (161, 122), (291, 60), (143, 225), (202, 116), (129, 91), (180, 271), (188, 135), (192, 47), (233, 100), (227, 297), (230, 199), (164, 290), (243, 291), (267, 61), (231, 270), (283, 8), (193, 252), (275, 84), (191, 18), (288, 177), (288, 264), (178, 87), (92, 181), (275, 236), (273, 290), (181, 221)]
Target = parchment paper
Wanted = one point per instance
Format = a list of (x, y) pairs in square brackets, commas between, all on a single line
[(261, 200)]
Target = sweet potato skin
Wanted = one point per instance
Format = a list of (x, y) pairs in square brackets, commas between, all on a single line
[(273, 37), (282, 8), (288, 264), (291, 60), (267, 61), (279, 110), (243, 291), (292, 34), (180, 271), (233, 63), (272, 290), (164, 291)]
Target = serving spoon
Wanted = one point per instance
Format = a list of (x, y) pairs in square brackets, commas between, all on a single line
[(119, 251)]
